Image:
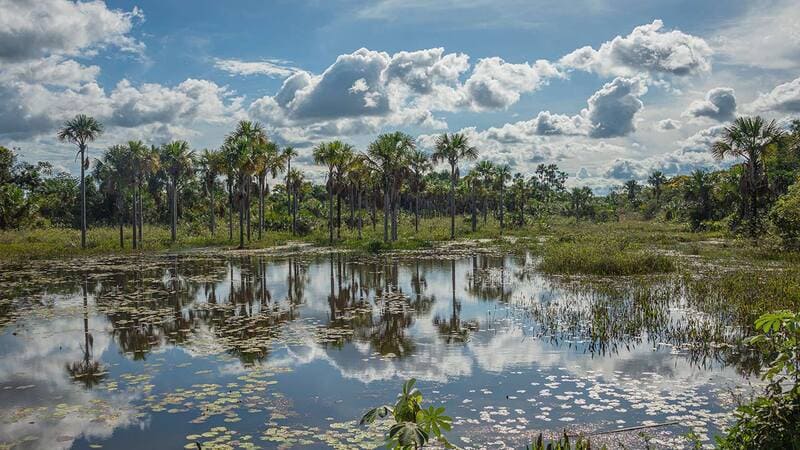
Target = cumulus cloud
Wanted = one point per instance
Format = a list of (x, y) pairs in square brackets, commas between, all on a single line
[(719, 104), (274, 68), (784, 98), (32, 29), (422, 70), (647, 49), (496, 84), (668, 125), (692, 153), (612, 109)]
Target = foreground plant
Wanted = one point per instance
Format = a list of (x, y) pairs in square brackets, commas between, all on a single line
[(772, 421), (562, 443), (414, 425)]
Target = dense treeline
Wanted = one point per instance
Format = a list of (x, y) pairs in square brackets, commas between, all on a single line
[(249, 186)]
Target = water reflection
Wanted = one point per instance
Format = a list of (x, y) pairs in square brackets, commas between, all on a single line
[(456, 320)]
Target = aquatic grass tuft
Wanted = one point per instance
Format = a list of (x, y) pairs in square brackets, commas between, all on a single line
[(603, 258)]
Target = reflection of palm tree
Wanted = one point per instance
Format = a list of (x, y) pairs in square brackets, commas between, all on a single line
[(88, 372), (452, 330)]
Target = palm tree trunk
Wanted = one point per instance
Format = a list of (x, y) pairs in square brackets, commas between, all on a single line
[(230, 210), (141, 213), (213, 212), (120, 207), (394, 205), (135, 220), (360, 211), (294, 212), (260, 208), (241, 215), (174, 210), (502, 206), (247, 209), (474, 210), (338, 215), (416, 211), (83, 195), (288, 192), (352, 207), (330, 207), (386, 211), (452, 202)]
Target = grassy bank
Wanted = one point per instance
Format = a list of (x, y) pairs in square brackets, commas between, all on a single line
[(627, 247)]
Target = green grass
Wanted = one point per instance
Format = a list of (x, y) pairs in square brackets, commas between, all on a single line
[(19, 245), (602, 257)]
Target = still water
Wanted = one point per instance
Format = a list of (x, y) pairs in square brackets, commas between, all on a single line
[(256, 351)]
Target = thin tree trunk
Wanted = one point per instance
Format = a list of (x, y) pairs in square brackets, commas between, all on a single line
[(452, 202), (502, 207), (360, 211), (174, 209), (141, 213), (416, 210), (213, 213), (241, 216), (474, 206), (83, 195), (260, 208), (247, 210), (134, 219), (352, 207), (294, 213), (230, 211), (288, 192), (339, 215), (386, 211), (120, 209), (330, 207)]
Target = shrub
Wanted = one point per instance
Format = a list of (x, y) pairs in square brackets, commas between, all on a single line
[(772, 420), (785, 215)]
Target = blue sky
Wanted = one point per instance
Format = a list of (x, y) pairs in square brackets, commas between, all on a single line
[(609, 90)]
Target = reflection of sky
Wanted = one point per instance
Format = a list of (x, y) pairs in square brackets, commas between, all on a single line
[(504, 354), (33, 374)]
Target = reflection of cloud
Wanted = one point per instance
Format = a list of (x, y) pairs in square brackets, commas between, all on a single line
[(38, 356)]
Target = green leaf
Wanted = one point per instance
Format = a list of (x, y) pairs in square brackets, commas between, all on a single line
[(434, 421), (408, 434), (374, 413)]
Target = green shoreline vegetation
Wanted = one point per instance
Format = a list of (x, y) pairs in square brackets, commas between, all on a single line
[(731, 236)]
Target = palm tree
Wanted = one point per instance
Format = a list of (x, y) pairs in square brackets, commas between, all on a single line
[(748, 138), (295, 180), (697, 192), (419, 164), (144, 162), (81, 130), (579, 199), (177, 161), (267, 160), (113, 171), (211, 165), (388, 156), (502, 175), (632, 189), (485, 170), (519, 191), (288, 154), (239, 165), (343, 162), (358, 174), (251, 134), (453, 148), (656, 180), (330, 154)]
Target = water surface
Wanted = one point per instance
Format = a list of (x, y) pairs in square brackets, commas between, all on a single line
[(251, 351)]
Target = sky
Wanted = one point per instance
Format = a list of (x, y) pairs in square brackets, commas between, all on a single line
[(608, 90)]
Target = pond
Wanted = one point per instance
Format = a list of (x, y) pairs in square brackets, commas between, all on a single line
[(250, 350)]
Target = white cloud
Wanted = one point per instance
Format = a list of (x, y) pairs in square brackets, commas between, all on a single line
[(32, 29), (668, 125), (612, 109), (496, 84), (719, 104), (274, 68), (784, 98), (765, 36), (647, 49)]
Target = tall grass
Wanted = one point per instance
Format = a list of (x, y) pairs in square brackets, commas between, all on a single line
[(602, 257)]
